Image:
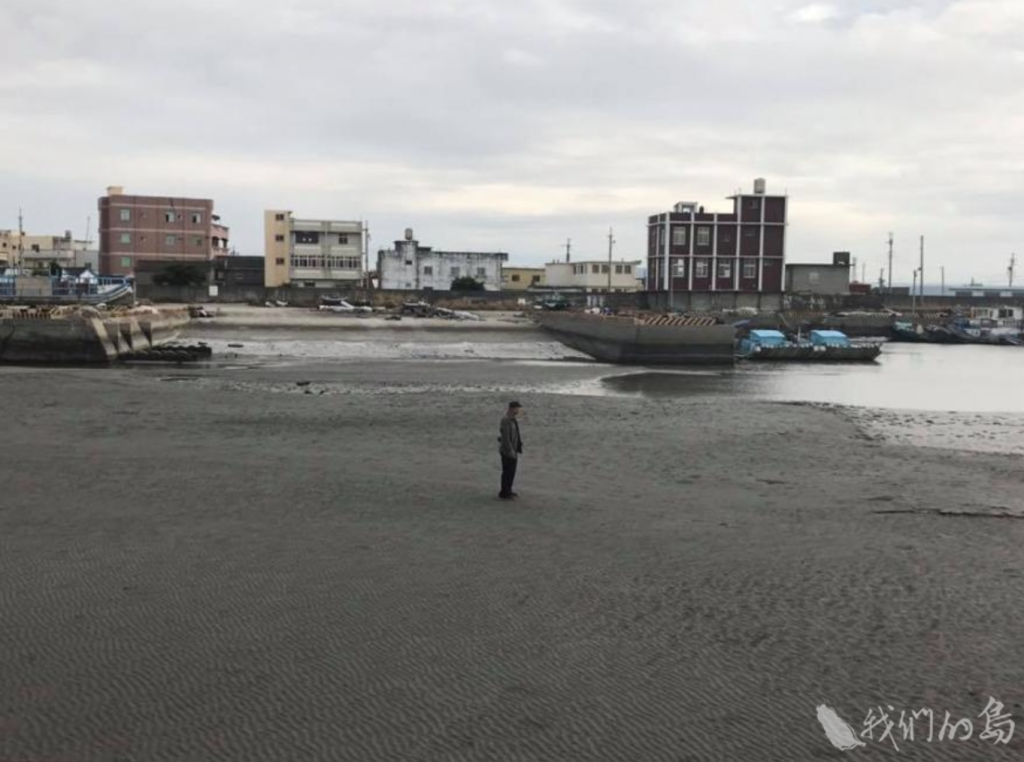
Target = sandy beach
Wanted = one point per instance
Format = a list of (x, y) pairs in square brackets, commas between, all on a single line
[(221, 563)]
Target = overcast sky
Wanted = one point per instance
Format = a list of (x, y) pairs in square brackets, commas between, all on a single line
[(515, 125)]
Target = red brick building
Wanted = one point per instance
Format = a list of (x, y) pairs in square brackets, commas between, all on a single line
[(742, 251), (160, 228)]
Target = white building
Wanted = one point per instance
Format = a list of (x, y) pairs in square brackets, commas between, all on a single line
[(411, 267), (593, 276), (312, 253)]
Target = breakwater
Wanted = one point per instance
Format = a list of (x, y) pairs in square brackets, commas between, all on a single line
[(83, 335)]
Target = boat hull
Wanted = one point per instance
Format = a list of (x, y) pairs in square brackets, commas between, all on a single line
[(866, 353), (627, 341)]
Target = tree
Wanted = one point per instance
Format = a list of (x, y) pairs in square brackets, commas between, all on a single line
[(180, 274), (467, 283)]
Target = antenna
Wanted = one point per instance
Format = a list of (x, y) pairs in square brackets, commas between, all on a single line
[(568, 249), (1011, 268)]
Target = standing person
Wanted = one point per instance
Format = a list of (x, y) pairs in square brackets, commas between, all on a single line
[(511, 447)]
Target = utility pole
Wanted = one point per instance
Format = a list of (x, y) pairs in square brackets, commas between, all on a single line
[(890, 263), (881, 279), (21, 239), (568, 249), (366, 255), (922, 269), (1012, 267), (611, 246)]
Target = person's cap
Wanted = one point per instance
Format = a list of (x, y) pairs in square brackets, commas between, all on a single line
[(514, 404)]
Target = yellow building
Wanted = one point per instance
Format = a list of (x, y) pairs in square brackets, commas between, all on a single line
[(521, 278), (312, 253)]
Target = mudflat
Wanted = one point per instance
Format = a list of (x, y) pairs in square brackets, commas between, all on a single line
[(310, 563)]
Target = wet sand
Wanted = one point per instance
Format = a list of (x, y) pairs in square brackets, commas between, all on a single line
[(201, 564)]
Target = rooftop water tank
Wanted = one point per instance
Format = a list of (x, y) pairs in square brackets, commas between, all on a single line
[(408, 234), (759, 186)]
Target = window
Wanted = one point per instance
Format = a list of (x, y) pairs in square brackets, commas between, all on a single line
[(126, 237), (279, 238), (595, 269), (35, 247), (701, 269), (749, 269), (428, 269), (679, 236), (343, 239), (618, 269), (515, 278), (170, 217), (812, 276), (171, 240), (753, 203), (535, 279), (279, 217), (454, 272), (604, 269), (703, 236), (679, 268), (307, 237), (126, 215), (628, 269), (725, 270), (126, 261), (481, 272), (279, 261), (309, 284), (198, 241), (197, 218)]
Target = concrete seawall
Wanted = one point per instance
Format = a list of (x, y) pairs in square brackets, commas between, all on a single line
[(82, 338)]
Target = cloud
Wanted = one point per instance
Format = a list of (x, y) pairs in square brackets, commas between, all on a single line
[(519, 125)]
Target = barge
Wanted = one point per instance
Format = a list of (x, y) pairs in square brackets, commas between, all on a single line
[(644, 340)]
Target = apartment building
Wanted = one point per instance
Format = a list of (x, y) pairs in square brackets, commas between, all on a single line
[(312, 253), (157, 228), (409, 266), (742, 251)]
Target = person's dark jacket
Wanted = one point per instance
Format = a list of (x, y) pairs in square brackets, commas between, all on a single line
[(511, 443)]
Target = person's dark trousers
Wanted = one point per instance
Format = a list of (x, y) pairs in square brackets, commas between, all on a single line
[(508, 475)]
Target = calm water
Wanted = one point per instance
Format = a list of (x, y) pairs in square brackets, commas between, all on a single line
[(906, 376)]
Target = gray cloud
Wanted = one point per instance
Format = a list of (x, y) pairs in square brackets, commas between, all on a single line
[(514, 126)]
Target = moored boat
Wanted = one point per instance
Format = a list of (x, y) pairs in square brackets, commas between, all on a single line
[(823, 346)]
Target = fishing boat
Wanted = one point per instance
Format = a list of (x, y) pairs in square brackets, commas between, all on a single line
[(823, 346), (643, 340), (31, 290)]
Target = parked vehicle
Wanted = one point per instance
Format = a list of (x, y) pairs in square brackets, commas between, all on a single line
[(344, 307)]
